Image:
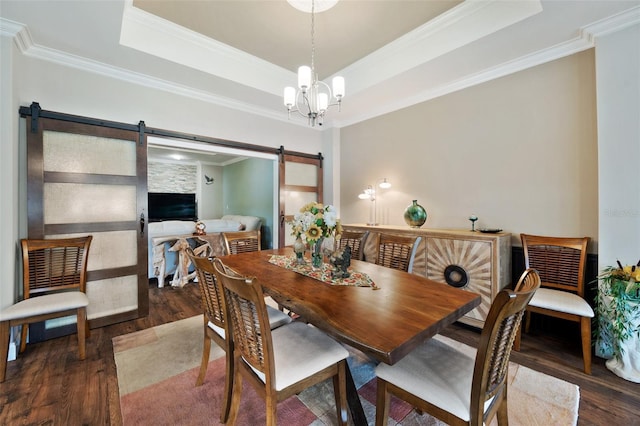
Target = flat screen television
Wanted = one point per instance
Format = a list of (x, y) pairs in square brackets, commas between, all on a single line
[(169, 206)]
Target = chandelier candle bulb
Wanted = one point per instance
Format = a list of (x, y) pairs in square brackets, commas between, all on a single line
[(338, 87), (289, 96), (304, 78), (323, 102)]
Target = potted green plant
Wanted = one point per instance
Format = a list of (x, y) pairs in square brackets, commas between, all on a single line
[(618, 317)]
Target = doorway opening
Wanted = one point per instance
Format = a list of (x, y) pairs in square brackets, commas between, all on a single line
[(226, 181)]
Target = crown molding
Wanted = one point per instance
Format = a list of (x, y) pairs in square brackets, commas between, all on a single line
[(611, 24), (587, 39), (159, 37), (23, 41), (510, 67), (17, 31), (9, 28), (459, 26)]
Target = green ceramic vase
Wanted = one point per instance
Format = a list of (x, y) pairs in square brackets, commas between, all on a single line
[(415, 215)]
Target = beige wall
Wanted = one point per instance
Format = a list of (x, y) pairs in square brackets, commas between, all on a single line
[(520, 152)]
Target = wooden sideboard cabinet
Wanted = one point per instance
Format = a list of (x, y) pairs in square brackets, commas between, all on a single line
[(474, 261)]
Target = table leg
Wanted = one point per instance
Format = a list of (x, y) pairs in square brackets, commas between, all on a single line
[(353, 400), (159, 263)]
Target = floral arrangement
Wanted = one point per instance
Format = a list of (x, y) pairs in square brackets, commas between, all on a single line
[(316, 221), (623, 281), (620, 286)]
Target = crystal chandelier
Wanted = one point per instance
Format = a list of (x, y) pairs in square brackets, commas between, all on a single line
[(313, 97)]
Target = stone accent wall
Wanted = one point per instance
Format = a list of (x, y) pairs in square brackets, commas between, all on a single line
[(171, 177)]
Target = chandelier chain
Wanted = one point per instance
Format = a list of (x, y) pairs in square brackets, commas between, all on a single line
[(313, 37), (314, 96)]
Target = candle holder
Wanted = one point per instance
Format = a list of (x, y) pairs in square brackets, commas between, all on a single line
[(473, 219)]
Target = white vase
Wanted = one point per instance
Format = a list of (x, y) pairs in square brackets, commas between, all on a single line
[(627, 364)]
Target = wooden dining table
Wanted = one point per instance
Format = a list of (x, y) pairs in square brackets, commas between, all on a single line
[(386, 321)]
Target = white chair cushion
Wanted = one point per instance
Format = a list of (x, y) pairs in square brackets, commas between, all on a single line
[(436, 373), (561, 301), (314, 351), (218, 330), (45, 304), (276, 319)]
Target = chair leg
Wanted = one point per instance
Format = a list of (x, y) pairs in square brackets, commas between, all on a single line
[(87, 330), (81, 321), (23, 337), (271, 401), (206, 349), (236, 395), (340, 393), (228, 386), (516, 342), (527, 321), (585, 331), (4, 349), (503, 410), (383, 400)]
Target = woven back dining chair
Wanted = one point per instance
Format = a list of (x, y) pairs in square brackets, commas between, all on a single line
[(561, 264), (54, 285), (216, 326), (245, 242), (355, 240), (278, 363), (452, 386), (242, 241), (397, 251)]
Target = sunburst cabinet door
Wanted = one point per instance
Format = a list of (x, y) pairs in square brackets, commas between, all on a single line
[(464, 264)]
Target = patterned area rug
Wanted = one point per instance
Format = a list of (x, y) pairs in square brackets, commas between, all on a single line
[(157, 370)]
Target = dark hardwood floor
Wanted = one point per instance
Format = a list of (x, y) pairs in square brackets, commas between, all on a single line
[(47, 385)]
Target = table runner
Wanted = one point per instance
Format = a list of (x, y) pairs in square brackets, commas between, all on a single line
[(357, 279)]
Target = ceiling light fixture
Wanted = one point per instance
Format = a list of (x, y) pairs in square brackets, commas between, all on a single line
[(313, 97)]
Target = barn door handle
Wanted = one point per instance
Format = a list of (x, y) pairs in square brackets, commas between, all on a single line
[(142, 223), (281, 218)]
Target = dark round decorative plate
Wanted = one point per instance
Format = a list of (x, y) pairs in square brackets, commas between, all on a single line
[(456, 276), (490, 230)]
